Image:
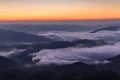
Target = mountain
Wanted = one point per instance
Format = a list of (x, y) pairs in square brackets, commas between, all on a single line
[(10, 70), (113, 65), (6, 64), (12, 36), (103, 75), (62, 72), (75, 71), (110, 28), (36, 28)]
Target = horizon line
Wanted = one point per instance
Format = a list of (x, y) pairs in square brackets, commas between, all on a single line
[(62, 20)]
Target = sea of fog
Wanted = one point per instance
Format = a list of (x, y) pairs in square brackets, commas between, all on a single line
[(76, 54), (91, 55)]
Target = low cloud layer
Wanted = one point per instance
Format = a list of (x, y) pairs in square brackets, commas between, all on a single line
[(11, 52), (71, 55), (68, 36)]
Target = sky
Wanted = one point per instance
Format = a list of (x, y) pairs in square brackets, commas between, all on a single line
[(59, 9)]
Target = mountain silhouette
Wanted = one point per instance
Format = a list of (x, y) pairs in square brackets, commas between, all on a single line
[(110, 28), (12, 36)]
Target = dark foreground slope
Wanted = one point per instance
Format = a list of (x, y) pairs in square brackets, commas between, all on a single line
[(9, 70), (75, 71), (113, 65), (6, 63)]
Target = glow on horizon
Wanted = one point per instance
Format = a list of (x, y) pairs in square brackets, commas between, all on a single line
[(59, 9)]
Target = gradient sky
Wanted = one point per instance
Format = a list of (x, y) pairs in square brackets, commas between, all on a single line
[(58, 9)]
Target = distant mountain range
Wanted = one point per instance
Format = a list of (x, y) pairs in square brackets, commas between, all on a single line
[(15, 37), (35, 29)]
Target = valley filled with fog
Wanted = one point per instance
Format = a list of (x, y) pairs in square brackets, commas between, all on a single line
[(51, 48)]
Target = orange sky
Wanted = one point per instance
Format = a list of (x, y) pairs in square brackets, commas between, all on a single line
[(58, 9)]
